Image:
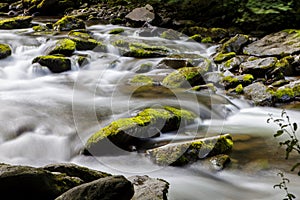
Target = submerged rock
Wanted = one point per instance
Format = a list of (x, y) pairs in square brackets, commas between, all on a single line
[(183, 153), (55, 63), (22, 182), (84, 41), (109, 188), (127, 133), (280, 44), (64, 46), (68, 23), (16, 22), (146, 188), (5, 51), (141, 80)]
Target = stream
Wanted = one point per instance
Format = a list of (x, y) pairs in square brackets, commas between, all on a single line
[(47, 118)]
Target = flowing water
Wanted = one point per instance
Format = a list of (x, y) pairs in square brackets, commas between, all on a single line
[(46, 118)]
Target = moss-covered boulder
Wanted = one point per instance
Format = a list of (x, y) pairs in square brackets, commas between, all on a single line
[(183, 153), (55, 63), (112, 187), (234, 44), (68, 23), (212, 34), (116, 31), (258, 67), (16, 22), (141, 80), (221, 57), (173, 63), (280, 44), (22, 182), (65, 47), (131, 132), (234, 81), (185, 77), (287, 93), (84, 41), (142, 50), (170, 34), (233, 64), (5, 51)]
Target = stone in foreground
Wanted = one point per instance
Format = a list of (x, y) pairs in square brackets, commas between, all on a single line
[(56, 64)]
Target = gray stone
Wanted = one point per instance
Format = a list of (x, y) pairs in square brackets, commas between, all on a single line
[(258, 67), (258, 93), (141, 15)]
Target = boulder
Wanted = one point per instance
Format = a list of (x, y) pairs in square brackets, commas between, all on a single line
[(55, 63), (116, 31), (219, 162), (280, 44), (22, 182), (109, 188), (68, 23), (147, 188), (173, 63), (221, 57), (5, 51), (259, 94), (141, 80), (142, 50), (140, 16), (84, 41), (182, 153), (234, 44), (258, 67), (127, 133), (65, 47), (16, 22), (72, 170), (234, 81)]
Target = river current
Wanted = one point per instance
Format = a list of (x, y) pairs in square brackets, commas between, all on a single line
[(46, 118)]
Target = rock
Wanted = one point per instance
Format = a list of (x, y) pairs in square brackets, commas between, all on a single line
[(173, 63), (280, 44), (139, 16), (72, 170), (64, 46), (286, 66), (22, 182), (234, 81), (170, 35), (116, 31), (258, 67), (50, 7), (84, 41), (259, 94), (219, 162), (213, 34), (234, 44), (109, 188), (4, 7), (141, 80), (185, 77), (16, 22), (55, 63), (5, 51), (141, 50), (233, 64), (68, 23), (147, 188), (131, 132), (221, 57), (183, 153)]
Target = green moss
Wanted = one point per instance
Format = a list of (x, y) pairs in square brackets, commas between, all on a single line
[(239, 89), (230, 79), (284, 92), (295, 32), (15, 22), (85, 41), (207, 40), (224, 56), (181, 113), (170, 35), (5, 51), (64, 46), (248, 78), (141, 80), (196, 37), (116, 31), (68, 23), (121, 43)]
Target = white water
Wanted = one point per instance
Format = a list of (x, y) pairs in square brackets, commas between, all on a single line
[(46, 118)]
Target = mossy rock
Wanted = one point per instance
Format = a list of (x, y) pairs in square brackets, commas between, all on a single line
[(16, 22), (211, 34), (84, 41), (170, 35), (258, 67), (221, 57), (234, 81), (286, 65), (5, 51), (68, 23), (185, 77), (234, 44), (182, 153), (128, 132), (142, 50), (141, 80), (65, 47), (55, 63), (116, 31)]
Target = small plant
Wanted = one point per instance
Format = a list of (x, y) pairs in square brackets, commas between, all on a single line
[(287, 128), (283, 185)]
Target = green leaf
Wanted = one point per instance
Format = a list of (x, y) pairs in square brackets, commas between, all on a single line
[(279, 133), (295, 126)]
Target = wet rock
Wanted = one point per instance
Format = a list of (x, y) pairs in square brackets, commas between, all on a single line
[(278, 44), (170, 35), (183, 153), (219, 162), (214, 77), (234, 81), (141, 80), (185, 77), (234, 44), (16, 22), (116, 31), (68, 23), (173, 63), (213, 34), (127, 133), (259, 94), (139, 16), (110, 188), (286, 66), (55, 63), (147, 188), (65, 47), (5, 51), (22, 182), (142, 50), (84, 41), (233, 63), (72, 170), (221, 57), (258, 67)]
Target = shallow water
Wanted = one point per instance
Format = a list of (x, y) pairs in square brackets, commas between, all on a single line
[(46, 118)]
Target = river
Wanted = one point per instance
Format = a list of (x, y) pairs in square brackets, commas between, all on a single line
[(46, 118)]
